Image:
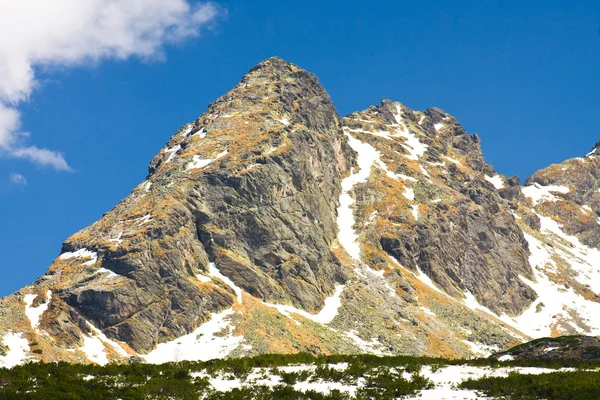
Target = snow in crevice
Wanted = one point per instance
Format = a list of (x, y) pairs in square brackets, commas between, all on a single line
[(35, 313), (107, 273), (420, 275), (118, 239), (144, 219), (148, 186), (203, 278), (186, 131), (205, 343), (412, 144), (325, 316), (18, 349), (538, 193), (172, 152), (198, 162), (495, 180), (215, 272), (271, 150), (201, 133), (438, 126), (414, 209), (409, 193), (81, 253), (367, 155), (283, 121), (452, 160)]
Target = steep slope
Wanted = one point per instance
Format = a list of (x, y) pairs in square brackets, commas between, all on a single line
[(269, 224)]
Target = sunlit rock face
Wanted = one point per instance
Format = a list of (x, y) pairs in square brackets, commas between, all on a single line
[(271, 225)]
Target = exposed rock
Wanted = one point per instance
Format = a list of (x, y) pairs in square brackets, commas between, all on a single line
[(233, 246)]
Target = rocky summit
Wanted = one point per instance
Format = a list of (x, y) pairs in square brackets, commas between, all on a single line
[(271, 225)]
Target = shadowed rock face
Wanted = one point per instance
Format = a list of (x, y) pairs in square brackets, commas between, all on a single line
[(237, 224)]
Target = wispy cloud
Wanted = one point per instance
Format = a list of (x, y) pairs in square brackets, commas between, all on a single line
[(39, 33), (18, 179)]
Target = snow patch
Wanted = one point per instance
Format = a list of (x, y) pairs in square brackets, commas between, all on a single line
[(94, 350), (198, 162), (172, 152), (415, 211), (203, 278), (409, 193), (495, 180), (506, 357), (538, 193), (186, 131), (438, 126), (371, 347), (205, 343), (111, 274), (148, 186), (201, 133), (18, 347), (81, 253)]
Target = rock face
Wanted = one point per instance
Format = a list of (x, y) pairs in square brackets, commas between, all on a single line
[(269, 224), (564, 347)]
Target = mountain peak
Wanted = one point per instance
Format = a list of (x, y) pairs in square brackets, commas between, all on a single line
[(595, 150)]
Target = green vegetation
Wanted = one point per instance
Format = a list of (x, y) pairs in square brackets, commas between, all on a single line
[(264, 377), (576, 385)]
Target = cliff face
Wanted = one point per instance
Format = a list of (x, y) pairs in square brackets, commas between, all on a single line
[(269, 224)]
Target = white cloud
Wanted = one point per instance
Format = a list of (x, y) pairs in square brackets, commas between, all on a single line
[(39, 33), (18, 179)]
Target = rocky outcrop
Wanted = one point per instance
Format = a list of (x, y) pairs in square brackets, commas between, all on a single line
[(563, 347), (270, 225), (447, 219)]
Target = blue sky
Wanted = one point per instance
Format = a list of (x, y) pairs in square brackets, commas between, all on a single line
[(525, 76)]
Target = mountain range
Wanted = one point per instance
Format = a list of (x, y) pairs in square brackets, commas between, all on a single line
[(270, 224)]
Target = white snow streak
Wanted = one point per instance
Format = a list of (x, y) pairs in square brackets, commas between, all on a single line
[(214, 271), (81, 253), (201, 133), (325, 316), (198, 162), (172, 152), (367, 155), (35, 313)]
